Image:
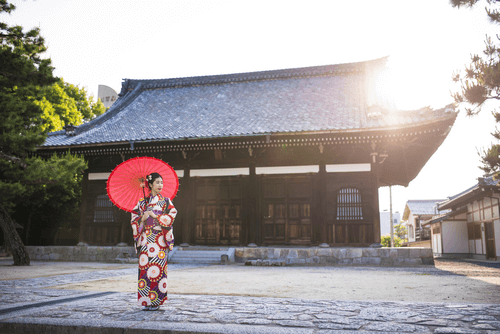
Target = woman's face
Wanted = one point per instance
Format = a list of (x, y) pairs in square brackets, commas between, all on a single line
[(157, 185)]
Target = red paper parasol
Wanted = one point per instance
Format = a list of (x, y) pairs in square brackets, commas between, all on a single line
[(125, 182)]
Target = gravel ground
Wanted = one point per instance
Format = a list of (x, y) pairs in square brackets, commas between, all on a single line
[(447, 281)]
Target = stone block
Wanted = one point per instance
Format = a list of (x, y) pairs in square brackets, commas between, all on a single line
[(345, 261), (353, 253), (403, 253), (384, 252), (370, 252), (414, 253), (284, 253), (371, 260), (249, 253), (398, 261), (386, 261), (45, 257), (426, 252), (393, 253), (329, 260), (239, 253), (271, 253), (54, 256), (313, 259), (324, 252), (339, 253), (303, 253), (357, 260), (413, 262), (292, 254), (428, 260)]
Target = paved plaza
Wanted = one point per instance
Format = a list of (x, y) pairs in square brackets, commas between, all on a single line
[(43, 298)]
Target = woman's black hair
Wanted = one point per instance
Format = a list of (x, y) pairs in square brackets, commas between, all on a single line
[(151, 179)]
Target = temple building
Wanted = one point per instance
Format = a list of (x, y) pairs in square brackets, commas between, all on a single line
[(281, 157)]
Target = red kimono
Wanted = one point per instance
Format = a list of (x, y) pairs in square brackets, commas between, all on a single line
[(153, 242)]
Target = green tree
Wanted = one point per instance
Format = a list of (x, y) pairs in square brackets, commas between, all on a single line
[(24, 79), (53, 187), (480, 82), (63, 103), (386, 241), (400, 231)]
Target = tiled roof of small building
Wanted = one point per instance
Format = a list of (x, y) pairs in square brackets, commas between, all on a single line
[(483, 182), (421, 207), (312, 99)]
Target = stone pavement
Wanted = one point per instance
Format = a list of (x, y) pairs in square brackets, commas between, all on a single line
[(35, 306)]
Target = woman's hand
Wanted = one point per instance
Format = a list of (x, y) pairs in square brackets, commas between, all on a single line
[(145, 216), (152, 215)]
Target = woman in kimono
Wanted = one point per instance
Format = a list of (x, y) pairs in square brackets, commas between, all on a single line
[(152, 220)]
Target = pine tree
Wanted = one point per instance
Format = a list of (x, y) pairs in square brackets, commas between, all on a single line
[(480, 82)]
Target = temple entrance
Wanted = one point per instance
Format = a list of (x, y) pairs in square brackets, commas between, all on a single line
[(218, 211), (287, 210)]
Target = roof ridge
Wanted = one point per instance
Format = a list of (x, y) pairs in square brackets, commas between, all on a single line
[(289, 73)]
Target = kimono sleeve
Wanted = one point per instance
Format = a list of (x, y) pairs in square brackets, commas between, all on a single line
[(135, 221), (167, 219)]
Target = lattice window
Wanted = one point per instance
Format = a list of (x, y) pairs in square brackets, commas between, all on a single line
[(103, 211), (349, 206)]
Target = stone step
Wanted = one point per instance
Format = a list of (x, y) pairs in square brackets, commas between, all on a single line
[(197, 256)]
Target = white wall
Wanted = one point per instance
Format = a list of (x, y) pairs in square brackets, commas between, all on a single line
[(436, 243), (496, 227), (411, 221), (455, 239)]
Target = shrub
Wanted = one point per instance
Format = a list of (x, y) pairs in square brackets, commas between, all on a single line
[(386, 241)]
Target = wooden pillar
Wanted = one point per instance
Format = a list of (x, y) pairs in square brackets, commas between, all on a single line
[(82, 237), (252, 228), (124, 219), (375, 171), (187, 207), (322, 212)]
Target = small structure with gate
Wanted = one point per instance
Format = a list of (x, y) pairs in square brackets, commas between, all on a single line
[(471, 227)]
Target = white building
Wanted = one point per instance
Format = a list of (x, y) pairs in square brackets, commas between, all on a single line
[(385, 221), (416, 212), (107, 95), (472, 227)]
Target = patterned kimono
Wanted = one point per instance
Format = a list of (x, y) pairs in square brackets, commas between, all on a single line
[(153, 242)]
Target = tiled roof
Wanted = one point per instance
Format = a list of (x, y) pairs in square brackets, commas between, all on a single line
[(423, 207), (486, 182), (312, 99)]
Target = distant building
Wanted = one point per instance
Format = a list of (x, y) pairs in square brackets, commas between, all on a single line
[(385, 221), (107, 95), (416, 212), (472, 227)]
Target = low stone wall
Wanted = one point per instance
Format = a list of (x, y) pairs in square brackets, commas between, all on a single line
[(83, 253), (291, 255), (339, 256)]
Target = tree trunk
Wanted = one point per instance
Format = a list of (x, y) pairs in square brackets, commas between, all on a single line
[(28, 226), (12, 239)]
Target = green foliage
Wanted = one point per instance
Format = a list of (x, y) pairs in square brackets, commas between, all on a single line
[(480, 82), (33, 102), (401, 231), (386, 241), (63, 103)]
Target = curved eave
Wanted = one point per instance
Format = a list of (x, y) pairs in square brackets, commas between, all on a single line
[(367, 130)]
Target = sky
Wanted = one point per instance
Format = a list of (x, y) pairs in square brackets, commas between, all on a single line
[(96, 42)]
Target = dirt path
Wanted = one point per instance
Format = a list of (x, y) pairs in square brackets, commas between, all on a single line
[(448, 281)]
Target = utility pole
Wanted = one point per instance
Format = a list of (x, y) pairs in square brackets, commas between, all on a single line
[(390, 216)]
